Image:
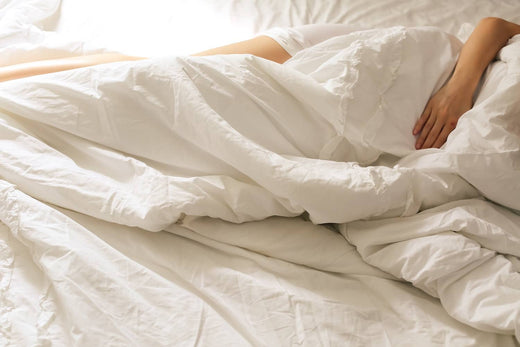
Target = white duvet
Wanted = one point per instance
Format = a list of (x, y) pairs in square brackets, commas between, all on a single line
[(240, 139), (244, 133)]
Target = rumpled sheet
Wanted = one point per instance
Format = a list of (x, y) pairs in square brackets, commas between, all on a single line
[(250, 129), (465, 252), (240, 139)]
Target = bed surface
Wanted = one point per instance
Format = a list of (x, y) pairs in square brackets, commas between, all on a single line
[(72, 273)]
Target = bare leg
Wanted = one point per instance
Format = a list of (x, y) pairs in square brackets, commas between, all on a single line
[(261, 46), (11, 72)]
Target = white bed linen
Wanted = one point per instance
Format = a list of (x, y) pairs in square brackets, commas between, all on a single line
[(78, 278), (185, 288), (193, 122)]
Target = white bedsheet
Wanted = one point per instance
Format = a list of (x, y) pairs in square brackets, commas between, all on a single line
[(92, 158), (253, 119)]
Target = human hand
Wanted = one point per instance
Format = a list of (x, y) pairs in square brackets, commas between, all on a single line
[(440, 116)]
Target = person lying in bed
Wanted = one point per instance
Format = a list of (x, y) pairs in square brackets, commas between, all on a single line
[(439, 117)]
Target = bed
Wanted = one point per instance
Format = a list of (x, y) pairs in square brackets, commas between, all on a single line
[(210, 201)]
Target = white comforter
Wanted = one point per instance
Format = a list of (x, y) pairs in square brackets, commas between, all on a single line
[(239, 138), (243, 132)]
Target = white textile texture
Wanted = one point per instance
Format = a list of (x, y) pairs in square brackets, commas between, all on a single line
[(198, 145)]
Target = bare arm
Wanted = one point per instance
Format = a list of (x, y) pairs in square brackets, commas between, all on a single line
[(261, 46), (455, 98), (54, 65)]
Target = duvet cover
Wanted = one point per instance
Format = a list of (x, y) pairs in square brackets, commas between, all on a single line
[(169, 141)]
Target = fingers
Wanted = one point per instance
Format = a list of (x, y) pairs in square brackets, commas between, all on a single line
[(443, 136), (422, 120), (425, 131), (433, 126), (433, 134), (438, 134), (446, 131), (440, 116)]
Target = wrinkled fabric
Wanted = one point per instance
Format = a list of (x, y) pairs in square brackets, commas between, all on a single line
[(212, 116), (465, 253), (237, 138)]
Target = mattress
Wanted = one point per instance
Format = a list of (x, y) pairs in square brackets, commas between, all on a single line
[(213, 200)]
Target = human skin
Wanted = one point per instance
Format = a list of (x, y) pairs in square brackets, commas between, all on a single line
[(40, 67), (445, 107), (261, 46), (438, 119)]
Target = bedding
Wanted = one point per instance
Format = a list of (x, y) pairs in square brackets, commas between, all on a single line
[(231, 200)]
